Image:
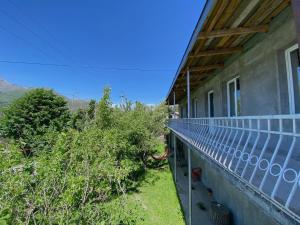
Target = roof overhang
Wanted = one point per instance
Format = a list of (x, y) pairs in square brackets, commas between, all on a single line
[(223, 28)]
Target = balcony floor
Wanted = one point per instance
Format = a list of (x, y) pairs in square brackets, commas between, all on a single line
[(199, 194)]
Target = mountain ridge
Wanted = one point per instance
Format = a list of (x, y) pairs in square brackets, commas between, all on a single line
[(10, 92)]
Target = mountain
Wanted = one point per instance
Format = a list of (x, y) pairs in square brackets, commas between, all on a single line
[(10, 92), (75, 104), (5, 86)]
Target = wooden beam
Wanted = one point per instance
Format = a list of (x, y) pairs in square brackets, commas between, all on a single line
[(207, 67), (296, 12), (203, 68), (221, 51), (233, 31)]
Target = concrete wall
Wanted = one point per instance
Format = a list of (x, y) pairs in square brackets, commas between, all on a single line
[(262, 71), (244, 208)]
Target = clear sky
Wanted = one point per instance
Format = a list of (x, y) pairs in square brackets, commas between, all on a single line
[(133, 46)]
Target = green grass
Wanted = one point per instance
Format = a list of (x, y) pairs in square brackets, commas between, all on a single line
[(157, 199)]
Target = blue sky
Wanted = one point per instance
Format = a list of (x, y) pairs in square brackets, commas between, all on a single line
[(133, 46)]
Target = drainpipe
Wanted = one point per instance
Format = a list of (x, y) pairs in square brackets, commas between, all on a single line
[(189, 149), (169, 136), (175, 144)]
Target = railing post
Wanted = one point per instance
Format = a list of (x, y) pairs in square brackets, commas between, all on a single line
[(189, 149), (175, 142)]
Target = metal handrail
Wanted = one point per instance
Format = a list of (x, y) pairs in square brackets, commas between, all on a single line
[(261, 151)]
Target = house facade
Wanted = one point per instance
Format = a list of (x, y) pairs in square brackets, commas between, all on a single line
[(238, 92)]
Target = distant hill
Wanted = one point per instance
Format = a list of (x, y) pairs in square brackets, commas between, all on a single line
[(76, 104), (10, 92)]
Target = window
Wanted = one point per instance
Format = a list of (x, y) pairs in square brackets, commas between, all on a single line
[(210, 104), (293, 76), (181, 111), (234, 97), (195, 107), (186, 111)]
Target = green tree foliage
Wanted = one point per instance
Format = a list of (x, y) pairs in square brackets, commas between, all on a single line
[(91, 109), (31, 116), (79, 119), (104, 111), (88, 172), (74, 183)]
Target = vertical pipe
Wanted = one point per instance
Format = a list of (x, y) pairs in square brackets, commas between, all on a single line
[(169, 135), (175, 143), (174, 104), (188, 93), (189, 149)]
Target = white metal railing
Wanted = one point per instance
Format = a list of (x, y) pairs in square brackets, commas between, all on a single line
[(261, 151)]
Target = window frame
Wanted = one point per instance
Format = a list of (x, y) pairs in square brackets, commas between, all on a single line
[(195, 107), (234, 80), (290, 81), (209, 103)]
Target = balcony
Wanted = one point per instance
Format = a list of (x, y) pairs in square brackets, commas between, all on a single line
[(263, 152)]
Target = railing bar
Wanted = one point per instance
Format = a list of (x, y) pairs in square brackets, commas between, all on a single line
[(238, 145), (224, 148), (252, 150), (264, 131), (233, 141), (203, 137), (262, 152), (210, 137), (222, 141), (286, 161), (293, 191), (273, 156), (245, 146), (215, 132), (217, 138), (217, 142)]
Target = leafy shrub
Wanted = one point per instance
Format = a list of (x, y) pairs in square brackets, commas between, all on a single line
[(84, 172), (87, 173), (31, 116)]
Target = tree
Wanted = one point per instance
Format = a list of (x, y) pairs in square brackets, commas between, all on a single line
[(91, 109), (104, 112), (79, 119), (33, 115)]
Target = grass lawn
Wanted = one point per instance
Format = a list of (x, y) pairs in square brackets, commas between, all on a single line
[(157, 199)]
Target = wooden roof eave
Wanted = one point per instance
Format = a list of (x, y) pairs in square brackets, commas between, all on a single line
[(222, 32), (209, 5)]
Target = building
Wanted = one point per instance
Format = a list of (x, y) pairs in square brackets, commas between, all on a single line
[(238, 92)]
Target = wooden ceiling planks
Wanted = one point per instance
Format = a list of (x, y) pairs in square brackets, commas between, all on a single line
[(227, 14)]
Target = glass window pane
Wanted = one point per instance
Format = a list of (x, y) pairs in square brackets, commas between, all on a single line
[(238, 97), (193, 108), (186, 111), (232, 99), (296, 78), (211, 105), (196, 108)]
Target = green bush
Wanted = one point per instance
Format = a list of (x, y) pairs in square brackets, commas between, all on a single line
[(31, 116), (85, 175), (84, 172)]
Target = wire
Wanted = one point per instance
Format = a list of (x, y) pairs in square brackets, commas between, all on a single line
[(22, 39), (33, 63), (59, 45), (31, 31), (94, 68), (86, 66)]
